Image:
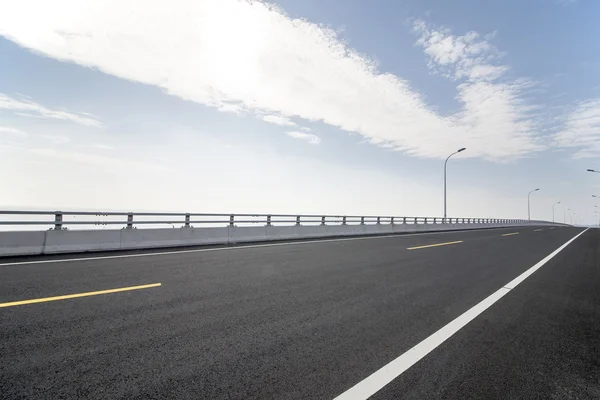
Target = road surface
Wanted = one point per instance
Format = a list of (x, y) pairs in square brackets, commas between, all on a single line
[(310, 320)]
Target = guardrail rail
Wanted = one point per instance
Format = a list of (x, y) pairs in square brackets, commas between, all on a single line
[(58, 220)]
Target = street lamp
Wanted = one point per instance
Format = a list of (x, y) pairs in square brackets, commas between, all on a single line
[(558, 202), (593, 170), (445, 163), (528, 204)]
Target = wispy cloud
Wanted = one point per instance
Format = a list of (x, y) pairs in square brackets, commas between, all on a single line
[(56, 139), (12, 131), (278, 120), (307, 137), (101, 146), (581, 130), (467, 56), (106, 163), (26, 107), (495, 112), (250, 56)]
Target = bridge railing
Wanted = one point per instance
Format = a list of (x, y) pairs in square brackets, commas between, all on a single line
[(60, 220)]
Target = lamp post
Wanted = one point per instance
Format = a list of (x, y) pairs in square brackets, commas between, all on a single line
[(558, 202), (593, 170), (565, 215), (445, 164), (529, 204)]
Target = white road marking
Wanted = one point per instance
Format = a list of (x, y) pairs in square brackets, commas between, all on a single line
[(162, 253), (380, 378)]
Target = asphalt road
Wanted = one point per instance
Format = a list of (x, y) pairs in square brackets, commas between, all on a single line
[(308, 320)]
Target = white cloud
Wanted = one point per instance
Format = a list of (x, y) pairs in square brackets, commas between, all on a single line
[(307, 137), (582, 130), (247, 56), (56, 139), (114, 164), (12, 131), (494, 112), (466, 56), (101, 146), (278, 120), (25, 107)]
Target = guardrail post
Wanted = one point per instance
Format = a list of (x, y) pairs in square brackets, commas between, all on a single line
[(231, 220), (187, 220), (415, 220), (425, 220), (130, 221), (362, 220), (323, 220), (434, 220), (403, 220), (58, 217), (392, 221), (378, 220), (297, 220), (268, 220)]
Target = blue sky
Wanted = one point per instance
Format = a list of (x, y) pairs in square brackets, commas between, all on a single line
[(301, 106)]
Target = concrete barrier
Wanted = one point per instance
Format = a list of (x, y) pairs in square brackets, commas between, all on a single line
[(21, 243), (199, 236), (242, 234), (64, 241)]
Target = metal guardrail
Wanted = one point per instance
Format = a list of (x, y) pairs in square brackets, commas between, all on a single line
[(129, 220)]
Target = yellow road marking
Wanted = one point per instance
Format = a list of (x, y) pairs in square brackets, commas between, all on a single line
[(510, 234), (76, 295), (433, 245), (537, 230)]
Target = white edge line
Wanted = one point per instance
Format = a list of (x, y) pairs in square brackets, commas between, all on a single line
[(162, 253), (380, 378)]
